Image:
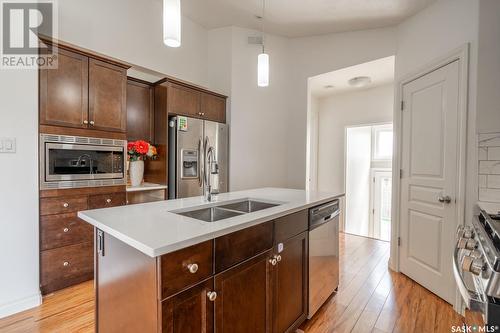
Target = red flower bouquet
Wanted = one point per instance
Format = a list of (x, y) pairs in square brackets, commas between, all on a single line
[(140, 150)]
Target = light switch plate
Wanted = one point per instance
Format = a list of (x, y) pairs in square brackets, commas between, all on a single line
[(7, 145)]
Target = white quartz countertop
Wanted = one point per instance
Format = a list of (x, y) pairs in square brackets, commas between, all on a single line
[(153, 229), (489, 207)]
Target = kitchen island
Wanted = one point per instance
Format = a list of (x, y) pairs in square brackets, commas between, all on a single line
[(237, 264)]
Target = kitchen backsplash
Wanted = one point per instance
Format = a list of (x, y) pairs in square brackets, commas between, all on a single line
[(489, 167)]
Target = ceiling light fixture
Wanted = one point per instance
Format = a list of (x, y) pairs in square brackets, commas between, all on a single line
[(360, 81), (328, 86), (172, 23), (263, 57)]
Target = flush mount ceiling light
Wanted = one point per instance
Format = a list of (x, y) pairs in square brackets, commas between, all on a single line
[(360, 81), (172, 23), (263, 57)]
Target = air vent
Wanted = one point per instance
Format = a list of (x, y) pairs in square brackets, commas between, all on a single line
[(119, 142), (94, 141), (50, 137), (80, 139), (69, 139), (107, 142)]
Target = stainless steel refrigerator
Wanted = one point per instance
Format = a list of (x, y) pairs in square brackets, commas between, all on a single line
[(189, 140)]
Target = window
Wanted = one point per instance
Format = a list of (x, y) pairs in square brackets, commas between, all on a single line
[(382, 142)]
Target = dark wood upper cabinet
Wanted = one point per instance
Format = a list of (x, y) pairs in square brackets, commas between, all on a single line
[(64, 91), (190, 311), (183, 100), (244, 297), (107, 96), (140, 111), (291, 284), (213, 107)]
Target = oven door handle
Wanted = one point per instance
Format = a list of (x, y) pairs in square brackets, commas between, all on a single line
[(473, 300)]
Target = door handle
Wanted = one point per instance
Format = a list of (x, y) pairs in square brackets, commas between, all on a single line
[(444, 199), (200, 162)]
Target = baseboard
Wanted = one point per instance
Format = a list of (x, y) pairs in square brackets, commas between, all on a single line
[(20, 305)]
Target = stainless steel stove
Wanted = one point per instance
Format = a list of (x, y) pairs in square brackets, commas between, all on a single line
[(477, 266)]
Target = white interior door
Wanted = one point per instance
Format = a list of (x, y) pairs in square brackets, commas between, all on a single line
[(429, 162), (381, 204)]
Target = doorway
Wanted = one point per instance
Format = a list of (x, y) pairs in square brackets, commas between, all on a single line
[(368, 186)]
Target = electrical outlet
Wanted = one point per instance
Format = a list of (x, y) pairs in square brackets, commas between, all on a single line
[(7, 145)]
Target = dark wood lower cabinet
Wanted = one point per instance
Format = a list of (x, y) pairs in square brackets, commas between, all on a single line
[(291, 287), (244, 297), (190, 311)]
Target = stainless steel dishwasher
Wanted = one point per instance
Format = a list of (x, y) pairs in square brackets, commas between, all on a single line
[(323, 254)]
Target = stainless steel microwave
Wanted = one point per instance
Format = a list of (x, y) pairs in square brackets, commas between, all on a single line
[(72, 162)]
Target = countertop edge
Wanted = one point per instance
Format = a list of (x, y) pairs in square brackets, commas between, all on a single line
[(196, 240)]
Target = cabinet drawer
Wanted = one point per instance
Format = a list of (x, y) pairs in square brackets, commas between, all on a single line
[(62, 230), (66, 266), (291, 225), (186, 267), (241, 245), (107, 200), (62, 205)]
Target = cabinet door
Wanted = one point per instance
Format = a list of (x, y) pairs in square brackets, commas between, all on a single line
[(139, 111), (190, 311), (291, 284), (183, 101), (213, 107), (244, 297), (64, 91), (107, 96)]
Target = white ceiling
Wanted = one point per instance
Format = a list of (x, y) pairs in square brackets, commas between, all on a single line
[(295, 18), (381, 71)]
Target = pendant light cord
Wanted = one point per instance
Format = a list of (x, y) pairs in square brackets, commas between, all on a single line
[(262, 23)]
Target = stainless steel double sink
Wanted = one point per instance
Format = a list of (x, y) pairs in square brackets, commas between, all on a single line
[(226, 210)]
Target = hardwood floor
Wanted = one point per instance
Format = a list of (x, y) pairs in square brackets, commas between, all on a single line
[(371, 298)]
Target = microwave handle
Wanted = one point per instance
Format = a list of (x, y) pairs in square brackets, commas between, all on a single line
[(473, 300)]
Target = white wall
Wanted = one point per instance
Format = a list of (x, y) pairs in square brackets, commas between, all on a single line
[(336, 112), (311, 56), (19, 192), (488, 72), (132, 31)]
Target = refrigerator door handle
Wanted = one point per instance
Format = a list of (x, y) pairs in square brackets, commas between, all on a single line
[(201, 161)]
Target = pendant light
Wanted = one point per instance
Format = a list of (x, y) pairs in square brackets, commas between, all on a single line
[(172, 23), (263, 57)]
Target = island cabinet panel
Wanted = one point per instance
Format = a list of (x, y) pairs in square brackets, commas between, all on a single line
[(107, 96), (190, 311), (64, 91), (241, 245), (140, 111), (291, 284), (126, 288), (244, 297), (183, 268), (65, 266), (291, 225)]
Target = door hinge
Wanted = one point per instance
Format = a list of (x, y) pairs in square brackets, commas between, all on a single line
[(400, 173), (373, 211), (402, 105), (399, 241)]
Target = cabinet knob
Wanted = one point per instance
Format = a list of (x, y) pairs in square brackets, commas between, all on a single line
[(65, 264), (92, 122), (65, 229), (278, 258), (203, 113), (273, 261), (212, 296), (65, 205), (108, 200), (85, 122), (192, 268)]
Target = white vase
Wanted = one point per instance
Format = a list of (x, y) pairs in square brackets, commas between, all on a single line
[(136, 172)]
